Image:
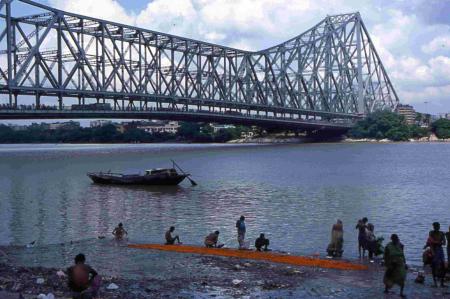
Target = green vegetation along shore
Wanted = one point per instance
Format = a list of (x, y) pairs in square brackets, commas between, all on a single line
[(388, 125), (187, 132), (382, 125)]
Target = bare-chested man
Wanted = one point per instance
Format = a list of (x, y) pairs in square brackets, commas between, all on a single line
[(119, 232)]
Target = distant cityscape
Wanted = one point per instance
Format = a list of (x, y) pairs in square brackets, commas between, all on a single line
[(152, 127), (412, 117)]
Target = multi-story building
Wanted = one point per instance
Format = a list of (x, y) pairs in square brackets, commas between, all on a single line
[(69, 125), (408, 112), (444, 115), (218, 127), (100, 123), (160, 127)]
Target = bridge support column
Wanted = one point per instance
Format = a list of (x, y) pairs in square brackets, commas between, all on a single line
[(361, 102), (60, 102), (38, 101)]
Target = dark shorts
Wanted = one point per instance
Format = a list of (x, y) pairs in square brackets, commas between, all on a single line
[(361, 240)]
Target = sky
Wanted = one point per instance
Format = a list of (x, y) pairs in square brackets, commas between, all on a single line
[(412, 37)]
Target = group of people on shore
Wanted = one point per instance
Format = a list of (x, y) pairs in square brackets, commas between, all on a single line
[(394, 258), (85, 282), (212, 239)]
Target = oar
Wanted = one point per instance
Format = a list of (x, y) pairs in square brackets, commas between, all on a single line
[(193, 183)]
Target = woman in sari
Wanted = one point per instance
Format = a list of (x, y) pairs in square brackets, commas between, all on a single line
[(395, 265), (337, 240)]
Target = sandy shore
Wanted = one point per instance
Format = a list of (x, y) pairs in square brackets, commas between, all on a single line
[(222, 278)]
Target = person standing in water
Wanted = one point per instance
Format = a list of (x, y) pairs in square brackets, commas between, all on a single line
[(371, 241), (361, 227), (447, 235), (436, 239), (395, 263), (119, 232), (240, 225), (337, 240)]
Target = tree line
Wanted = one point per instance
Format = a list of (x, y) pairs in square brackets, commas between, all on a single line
[(188, 132), (392, 126)]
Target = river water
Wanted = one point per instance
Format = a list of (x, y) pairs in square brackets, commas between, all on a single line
[(293, 193)]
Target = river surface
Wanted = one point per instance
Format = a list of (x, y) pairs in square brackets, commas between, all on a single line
[(293, 193)]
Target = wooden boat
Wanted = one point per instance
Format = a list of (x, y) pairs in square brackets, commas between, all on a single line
[(152, 177)]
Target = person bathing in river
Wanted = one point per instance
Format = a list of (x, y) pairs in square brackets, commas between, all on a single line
[(436, 239), (361, 227), (83, 280), (395, 263), (212, 239), (119, 232), (447, 235), (262, 242), (171, 240), (371, 241), (337, 240), (240, 225)]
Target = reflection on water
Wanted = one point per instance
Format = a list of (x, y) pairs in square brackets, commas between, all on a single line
[(293, 193)]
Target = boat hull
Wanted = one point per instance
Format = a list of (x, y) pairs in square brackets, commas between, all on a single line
[(147, 180)]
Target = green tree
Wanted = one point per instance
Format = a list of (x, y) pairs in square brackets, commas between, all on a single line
[(441, 128), (386, 124)]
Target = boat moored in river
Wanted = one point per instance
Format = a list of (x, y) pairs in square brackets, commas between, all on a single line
[(152, 177)]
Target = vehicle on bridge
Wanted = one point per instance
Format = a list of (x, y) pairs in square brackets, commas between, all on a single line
[(95, 106), (330, 71)]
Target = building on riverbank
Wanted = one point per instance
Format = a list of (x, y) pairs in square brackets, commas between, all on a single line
[(99, 123), (68, 125), (217, 127), (408, 112), (170, 127), (444, 115)]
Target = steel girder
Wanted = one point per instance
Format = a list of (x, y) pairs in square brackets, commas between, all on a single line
[(330, 71)]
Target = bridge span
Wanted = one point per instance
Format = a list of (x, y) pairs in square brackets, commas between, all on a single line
[(323, 79)]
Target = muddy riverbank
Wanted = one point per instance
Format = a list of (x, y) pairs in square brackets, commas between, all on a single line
[(220, 277)]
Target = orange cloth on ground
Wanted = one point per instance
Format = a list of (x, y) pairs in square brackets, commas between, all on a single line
[(256, 255)]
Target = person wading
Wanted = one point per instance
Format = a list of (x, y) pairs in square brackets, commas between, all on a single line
[(119, 232), (436, 239), (395, 263), (361, 227), (447, 235), (337, 240), (240, 225), (83, 280)]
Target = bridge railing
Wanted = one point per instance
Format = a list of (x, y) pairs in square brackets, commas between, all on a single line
[(148, 111)]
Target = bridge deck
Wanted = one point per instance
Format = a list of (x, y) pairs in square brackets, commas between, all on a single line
[(202, 116)]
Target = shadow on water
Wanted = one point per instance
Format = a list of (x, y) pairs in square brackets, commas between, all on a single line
[(170, 190)]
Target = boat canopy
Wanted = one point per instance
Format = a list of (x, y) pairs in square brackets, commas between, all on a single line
[(161, 170)]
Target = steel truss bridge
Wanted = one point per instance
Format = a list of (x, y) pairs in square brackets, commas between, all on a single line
[(324, 79)]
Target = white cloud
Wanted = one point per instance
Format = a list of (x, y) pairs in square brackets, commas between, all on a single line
[(438, 44), (104, 9), (415, 54), (436, 96)]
